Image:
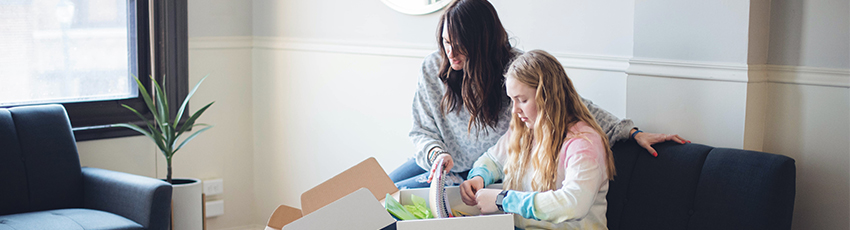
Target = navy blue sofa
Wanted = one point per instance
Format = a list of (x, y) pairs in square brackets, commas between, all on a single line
[(42, 185), (694, 186)]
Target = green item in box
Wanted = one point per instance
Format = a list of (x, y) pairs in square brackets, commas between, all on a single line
[(419, 208), (397, 209)]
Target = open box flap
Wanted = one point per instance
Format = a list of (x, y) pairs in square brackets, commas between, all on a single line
[(366, 174), (282, 216), (358, 210)]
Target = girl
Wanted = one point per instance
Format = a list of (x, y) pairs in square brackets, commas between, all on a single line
[(460, 108), (555, 159)]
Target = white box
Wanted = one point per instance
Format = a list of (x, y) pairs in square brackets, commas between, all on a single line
[(491, 222), (350, 200)]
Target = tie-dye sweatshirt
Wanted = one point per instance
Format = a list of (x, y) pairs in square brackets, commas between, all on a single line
[(579, 200)]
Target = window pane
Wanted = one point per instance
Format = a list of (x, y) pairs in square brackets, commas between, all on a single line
[(54, 51)]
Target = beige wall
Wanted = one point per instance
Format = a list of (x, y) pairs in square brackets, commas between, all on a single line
[(811, 125)]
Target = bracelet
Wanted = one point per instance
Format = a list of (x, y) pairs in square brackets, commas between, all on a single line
[(434, 153), (635, 133)]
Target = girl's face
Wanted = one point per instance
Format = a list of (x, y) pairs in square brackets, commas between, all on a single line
[(457, 60), (523, 102)]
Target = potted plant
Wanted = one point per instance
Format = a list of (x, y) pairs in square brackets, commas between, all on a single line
[(165, 133)]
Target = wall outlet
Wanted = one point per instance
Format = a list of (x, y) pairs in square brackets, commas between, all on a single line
[(215, 208), (213, 187)]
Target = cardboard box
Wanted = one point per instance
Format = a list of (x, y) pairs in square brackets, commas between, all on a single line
[(353, 199)]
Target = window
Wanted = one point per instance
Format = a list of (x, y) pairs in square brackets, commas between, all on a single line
[(83, 54)]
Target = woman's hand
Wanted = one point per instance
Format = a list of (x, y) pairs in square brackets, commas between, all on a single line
[(646, 140), (469, 188), (486, 199), (446, 161)]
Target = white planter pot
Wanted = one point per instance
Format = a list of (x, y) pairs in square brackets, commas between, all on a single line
[(186, 198)]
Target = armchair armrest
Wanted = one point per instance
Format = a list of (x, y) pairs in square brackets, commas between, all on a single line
[(145, 200)]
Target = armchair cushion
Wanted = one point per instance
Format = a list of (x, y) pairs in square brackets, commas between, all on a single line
[(48, 153), (73, 218)]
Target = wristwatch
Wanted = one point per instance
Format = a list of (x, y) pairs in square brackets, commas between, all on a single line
[(499, 199)]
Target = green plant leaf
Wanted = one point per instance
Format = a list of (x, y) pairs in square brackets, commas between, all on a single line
[(178, 135), (162, 98), (139, 115), (135, 128), (191, 121), (162, 130), (192, 137), (164, 116), (154, 134), (186, 101), (146, 96)]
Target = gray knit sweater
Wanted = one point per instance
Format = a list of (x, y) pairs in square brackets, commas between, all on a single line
[(450, 132)]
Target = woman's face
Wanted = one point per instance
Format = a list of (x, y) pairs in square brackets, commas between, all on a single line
[(522, 100), (457, 60)]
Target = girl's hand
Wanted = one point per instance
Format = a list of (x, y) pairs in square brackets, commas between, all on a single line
[(646, 140), (486, 199), (469, 188), (447, 162)]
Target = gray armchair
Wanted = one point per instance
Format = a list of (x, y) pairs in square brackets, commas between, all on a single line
[(42, 185)]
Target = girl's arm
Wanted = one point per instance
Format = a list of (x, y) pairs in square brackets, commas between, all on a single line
[(584, 176), (489, 166)]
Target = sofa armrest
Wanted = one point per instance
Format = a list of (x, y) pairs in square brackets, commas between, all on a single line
[(145, 200)]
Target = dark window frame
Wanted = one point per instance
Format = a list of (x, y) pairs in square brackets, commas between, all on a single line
[(164, 22)]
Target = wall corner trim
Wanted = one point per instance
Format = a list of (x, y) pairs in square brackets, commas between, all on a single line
[(734, 72), (805, 75), (713, 71)]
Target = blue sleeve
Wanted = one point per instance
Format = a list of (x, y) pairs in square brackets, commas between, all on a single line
[(521, 203), (483, 172), (486, 167)]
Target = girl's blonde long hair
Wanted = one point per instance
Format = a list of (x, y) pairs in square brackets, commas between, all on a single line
[(559, 108)]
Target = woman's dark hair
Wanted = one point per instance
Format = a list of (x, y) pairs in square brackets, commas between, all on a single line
[(475, 31)]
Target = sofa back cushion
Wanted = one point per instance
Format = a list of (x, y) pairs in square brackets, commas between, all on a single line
[(745, 190), (51, 164), (695, 186), (654, 192), (14, 197)]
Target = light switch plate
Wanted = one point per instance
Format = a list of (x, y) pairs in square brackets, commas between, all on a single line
[(215, 208), (213, 187)]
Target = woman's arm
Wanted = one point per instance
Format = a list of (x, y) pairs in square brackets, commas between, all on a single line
[(615, 128), (425, 134), (622, 129)]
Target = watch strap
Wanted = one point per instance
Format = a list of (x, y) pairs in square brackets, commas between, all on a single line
[(499, 199)]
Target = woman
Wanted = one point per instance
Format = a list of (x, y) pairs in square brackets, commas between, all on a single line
[(554, 159), (460, 108)]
